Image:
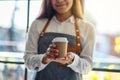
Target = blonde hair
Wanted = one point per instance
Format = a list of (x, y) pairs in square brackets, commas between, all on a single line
[(77, 8)]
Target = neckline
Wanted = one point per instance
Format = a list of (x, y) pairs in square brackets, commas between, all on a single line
[(70, 19)]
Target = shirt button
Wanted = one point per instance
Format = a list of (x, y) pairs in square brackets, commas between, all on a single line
[(78, 37), (78, 44), (77, 30)]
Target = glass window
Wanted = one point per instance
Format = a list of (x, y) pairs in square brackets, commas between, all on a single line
[(13, 23), (13, 20), (104, 15), (11, 72), (35, 7)]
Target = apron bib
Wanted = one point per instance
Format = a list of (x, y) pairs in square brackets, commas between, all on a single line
[(54, 71)]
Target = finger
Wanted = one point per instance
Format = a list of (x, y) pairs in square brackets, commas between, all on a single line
[(54, 51), (69, 56), (48, 54), (52, 55), (52, 46), (66, 57), (69, 53), (58, 60), (48, 49), (61, 61)]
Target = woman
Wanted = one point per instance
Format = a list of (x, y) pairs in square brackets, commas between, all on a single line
[(60, 18)]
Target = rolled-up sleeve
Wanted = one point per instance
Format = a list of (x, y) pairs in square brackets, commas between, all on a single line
[(32, 59), (83, 63)]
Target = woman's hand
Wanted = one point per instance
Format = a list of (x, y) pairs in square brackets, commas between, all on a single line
[(65, 61), (51, 54)]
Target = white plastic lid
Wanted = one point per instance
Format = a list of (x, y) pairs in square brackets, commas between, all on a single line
[(60, 39)]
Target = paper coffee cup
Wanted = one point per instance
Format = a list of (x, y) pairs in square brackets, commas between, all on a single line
[(62, 45)]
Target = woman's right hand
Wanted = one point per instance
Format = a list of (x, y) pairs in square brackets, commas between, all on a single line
[(51, 54)]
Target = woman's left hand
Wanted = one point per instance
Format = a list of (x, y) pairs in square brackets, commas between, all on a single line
[(66, 60)]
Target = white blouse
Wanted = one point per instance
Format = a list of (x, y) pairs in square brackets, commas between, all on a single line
[(82, 64)]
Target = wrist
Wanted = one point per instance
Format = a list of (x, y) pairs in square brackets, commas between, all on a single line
[(44, 60), (71, 61)]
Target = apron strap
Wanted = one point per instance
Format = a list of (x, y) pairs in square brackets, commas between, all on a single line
[(45, 27), (76, 48)]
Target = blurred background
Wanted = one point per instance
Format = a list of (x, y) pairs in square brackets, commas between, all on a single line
[(16, 16)]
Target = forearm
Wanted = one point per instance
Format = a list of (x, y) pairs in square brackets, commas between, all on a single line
[(34, 62), (81, 65)]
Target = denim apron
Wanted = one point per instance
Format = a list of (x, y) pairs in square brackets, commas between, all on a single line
[(54, 71)]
